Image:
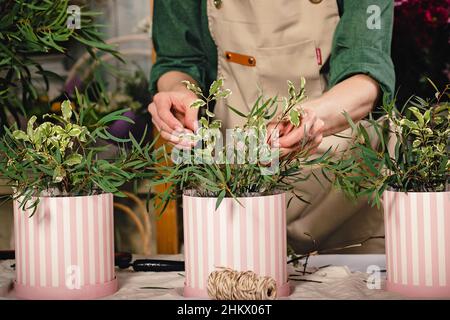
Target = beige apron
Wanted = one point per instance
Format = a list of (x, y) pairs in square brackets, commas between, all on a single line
[(261, 44)]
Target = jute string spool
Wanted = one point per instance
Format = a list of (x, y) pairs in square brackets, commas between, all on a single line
[(229, 284)]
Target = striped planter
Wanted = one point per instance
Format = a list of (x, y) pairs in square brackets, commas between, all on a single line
[(417, 227), (66, 249), (248, 237)]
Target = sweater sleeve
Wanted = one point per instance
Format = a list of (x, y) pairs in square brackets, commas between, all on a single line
[(177, 39), (362, 43)]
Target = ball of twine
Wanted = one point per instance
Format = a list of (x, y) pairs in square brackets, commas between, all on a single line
[(229, 284)]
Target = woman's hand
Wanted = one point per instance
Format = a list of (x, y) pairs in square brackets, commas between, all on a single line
[(170, 109), (324, 115), (307, 136)]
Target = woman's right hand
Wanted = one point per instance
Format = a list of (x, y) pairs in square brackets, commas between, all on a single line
[(172, 115)]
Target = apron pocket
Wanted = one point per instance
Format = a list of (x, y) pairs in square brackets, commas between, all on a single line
[(276, 65)]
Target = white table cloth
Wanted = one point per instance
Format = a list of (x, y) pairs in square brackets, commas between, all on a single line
[(340, 277)]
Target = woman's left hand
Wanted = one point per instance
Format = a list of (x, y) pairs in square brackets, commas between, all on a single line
[(307, 136)]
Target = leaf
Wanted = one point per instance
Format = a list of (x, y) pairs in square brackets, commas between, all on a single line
[(417, 114), (215, 86), (203, 179), (114, 116), (255, 105), (192, 87), (365, 135), (66, 110), (294, 117), (434, 86), (223, 94), (409, 124), (209, 113), (291, 89), (95, 44), (227, 171), (20, 135), (75, 131), (73, 159), (302, 82), (30, 125), (427, 116), (197, 104), (58, 174), (267, 105), (236, 111), (204, 122), (378, 128), (108, 136), (220, 198)]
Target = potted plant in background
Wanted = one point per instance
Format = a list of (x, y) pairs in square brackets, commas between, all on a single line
[(130, 91), (63, 194), (234, 206), (408, 173), (30, 29)]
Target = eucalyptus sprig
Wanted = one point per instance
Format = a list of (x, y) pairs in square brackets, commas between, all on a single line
[(63, 156)]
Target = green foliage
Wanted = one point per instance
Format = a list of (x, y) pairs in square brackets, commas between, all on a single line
[(63, 156), (241, 169), (130, 89), (412, 155), (28, 28)]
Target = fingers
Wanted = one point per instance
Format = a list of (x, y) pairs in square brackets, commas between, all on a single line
[(179, 116), (191, 119), (152, 109), (296, 135), (311, 147), (282, 127), (314, 145), (170, 137), (163, 107), (162, 128), (161, 125), (307, 136), (302, 132), (286, 151), (167, 111)]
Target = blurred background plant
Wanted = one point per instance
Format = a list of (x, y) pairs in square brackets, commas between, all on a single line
[(420, 47), (27, 29), (111, 89), (132, 92)]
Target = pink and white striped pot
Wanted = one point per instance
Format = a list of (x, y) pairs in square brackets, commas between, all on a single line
[(417, 227), (248, 237), (66, 249)]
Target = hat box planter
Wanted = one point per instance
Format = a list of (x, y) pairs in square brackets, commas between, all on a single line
[(417, 230), (65, 249), (247, 236), (407, 174), (63, 201), (234, 212)]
